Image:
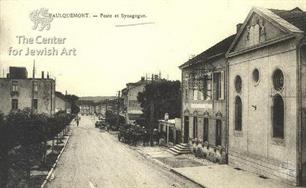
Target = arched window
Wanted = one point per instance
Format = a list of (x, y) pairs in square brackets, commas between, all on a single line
[(278, 116), (238, 114), (255, 75), (278, 79), (238, 84)]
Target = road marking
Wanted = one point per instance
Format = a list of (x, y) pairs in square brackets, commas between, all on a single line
[(91, 184)]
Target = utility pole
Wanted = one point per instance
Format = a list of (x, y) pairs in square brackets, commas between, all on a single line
[(118, 108), (151, 114), (106, 106), (32, 90)]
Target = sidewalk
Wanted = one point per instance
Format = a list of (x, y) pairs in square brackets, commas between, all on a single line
[(224, 176), (207, 174)]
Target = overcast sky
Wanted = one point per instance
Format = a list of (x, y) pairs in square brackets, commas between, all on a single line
[(108, 57)]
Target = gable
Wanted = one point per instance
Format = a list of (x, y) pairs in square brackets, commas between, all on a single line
[(258, 30)]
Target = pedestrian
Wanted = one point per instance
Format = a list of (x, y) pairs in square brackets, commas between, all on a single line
[(77, 119)]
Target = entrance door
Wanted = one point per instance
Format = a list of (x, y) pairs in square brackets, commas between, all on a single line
[(303, 141), (205, 130), (195, 127), (218, 132), (186, 129)]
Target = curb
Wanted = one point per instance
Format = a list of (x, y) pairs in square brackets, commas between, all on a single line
[(182, 175), (55, 164), (147, 156)]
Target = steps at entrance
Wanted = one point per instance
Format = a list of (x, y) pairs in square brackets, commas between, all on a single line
[(178, 149)]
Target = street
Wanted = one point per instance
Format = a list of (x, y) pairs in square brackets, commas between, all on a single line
[(97, 159)]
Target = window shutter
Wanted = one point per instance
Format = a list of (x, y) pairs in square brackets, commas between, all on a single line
[(222, 85), (195, 94)]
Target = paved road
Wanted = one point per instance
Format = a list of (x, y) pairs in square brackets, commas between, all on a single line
[(96, 159)]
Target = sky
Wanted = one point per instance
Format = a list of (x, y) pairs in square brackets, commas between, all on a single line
[(108, 52)]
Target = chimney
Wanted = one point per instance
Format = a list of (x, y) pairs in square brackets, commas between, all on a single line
[(142, 78), (238, 26), (48, 76), (156, 77), (42, 75)]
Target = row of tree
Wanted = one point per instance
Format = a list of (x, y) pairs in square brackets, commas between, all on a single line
[(25, 129), (158, 98)]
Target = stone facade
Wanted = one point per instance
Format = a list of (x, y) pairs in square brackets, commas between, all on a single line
[(33, 93), (266, 96), (61, 104), (203, 96), (132, 109)]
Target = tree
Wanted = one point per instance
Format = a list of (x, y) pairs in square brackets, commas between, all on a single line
[(72, 99), (27, 130), (7, 141), (158, 98)]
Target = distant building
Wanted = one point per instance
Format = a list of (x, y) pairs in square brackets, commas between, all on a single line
[(267, 95), (131, 107), (61, 103), (17, 91), (86, 107)]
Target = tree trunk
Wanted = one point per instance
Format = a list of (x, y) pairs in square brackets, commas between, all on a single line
[(52, 147), (57, 139), (44, 157), (28, 164)]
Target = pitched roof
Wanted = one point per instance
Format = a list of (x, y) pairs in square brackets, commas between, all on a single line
[(218, 49), (60, 95), (296, 17)]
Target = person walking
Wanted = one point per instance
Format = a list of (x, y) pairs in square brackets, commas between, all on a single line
[(77, 119)]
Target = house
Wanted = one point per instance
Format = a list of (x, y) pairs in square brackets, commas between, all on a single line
[(87, 107), (132, 108), (203, 96), (17, 91), (267, 95), (61, 103)]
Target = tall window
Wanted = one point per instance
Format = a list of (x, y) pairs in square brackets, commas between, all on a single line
[(14, 86), (238, 114), (186, 94), (238, 84), (195, 94), (278, 79), (218, 85), (278, 116), (14, 104), (200, 95), (35, 104), (195, 127), (205, 130), (207, 87), (35, 87)]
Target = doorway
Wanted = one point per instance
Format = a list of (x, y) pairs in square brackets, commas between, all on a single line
[(205, 130), (303, 142), (186, 129), (218, 132)]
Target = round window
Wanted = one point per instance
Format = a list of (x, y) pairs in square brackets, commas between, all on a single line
[(278, 79), (255, 75), (238, 84)]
